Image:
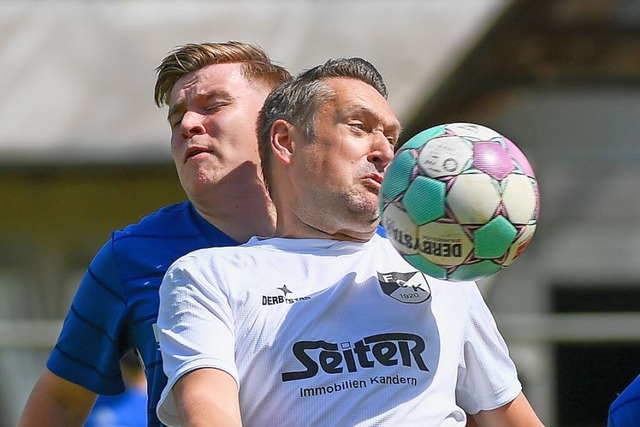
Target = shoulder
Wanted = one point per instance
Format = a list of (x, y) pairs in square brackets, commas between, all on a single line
[(219, 265), (171, 231), (627, 404), (153, 243), (176, 215), (214, 258)]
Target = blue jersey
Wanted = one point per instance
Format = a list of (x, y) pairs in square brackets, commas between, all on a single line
[(625, 410), (116, 305)]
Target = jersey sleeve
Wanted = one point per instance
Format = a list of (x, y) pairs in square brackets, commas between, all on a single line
[(196, 328), (625, 409), (87, 351), (487, 377)]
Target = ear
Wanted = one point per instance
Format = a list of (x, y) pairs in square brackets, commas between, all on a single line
[(282, 141)]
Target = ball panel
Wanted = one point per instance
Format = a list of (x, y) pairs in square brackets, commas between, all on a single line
[(473, 132), (492, 159), (520, 244), (444, 244), (445, 156), (419, 139), (401, 230), (475, 271), (424, 265), (519, 158), (424, 200), (493, 239), (401, 168), (473, 198), (519, 198)]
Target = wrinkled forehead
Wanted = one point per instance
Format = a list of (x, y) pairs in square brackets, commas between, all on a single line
[(222, 77), (351, 95)]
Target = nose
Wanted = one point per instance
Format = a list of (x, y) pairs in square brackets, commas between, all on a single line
[(191, 125), (382, 152)]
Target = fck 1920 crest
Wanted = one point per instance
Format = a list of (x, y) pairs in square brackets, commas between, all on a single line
[(409, 288)]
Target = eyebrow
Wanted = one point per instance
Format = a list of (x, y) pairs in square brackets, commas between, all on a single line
[(213, 93), (363, 109)]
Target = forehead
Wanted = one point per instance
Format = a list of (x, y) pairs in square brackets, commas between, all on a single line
[(353, 95), (215, 77)]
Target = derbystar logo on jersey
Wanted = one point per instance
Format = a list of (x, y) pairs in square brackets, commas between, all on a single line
[(282, 298)]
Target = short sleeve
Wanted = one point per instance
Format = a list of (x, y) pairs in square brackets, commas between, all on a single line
[(487, 376), (87, 351), (196, 328)]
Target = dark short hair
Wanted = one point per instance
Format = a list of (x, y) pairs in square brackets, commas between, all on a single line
[(297, 100)]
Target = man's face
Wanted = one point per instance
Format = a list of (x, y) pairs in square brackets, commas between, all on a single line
[(339, 174), (212, 113)]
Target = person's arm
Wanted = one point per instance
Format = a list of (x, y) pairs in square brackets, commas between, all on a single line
[(488, 367), (196, 327), (56, 402), (207, 397), (517, 413), (85, 361)]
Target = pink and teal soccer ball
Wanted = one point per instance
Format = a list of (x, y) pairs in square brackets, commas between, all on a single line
[(459, 201)]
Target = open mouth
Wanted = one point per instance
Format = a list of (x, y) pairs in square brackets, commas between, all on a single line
[(194, 151), (373, 181), (375, 177)]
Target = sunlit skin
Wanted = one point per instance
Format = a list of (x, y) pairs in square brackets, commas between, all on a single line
[(340, 171), (212, 114)]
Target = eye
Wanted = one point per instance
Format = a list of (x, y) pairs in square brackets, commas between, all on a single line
[(393, 135), (356, 124), (212, 108), (175, 122)]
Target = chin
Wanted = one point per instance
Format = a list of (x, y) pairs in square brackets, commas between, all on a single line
[(372, 210), (371, 216), (198, 185)]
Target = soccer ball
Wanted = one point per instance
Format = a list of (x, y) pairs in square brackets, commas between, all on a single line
[(459, 202)]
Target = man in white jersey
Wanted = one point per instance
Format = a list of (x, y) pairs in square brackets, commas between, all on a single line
[(325, 324)]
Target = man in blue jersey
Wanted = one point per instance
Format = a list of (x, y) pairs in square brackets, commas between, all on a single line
[(625, 410), (214, 92)]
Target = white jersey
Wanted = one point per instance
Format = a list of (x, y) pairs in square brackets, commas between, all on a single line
[(321, 332)]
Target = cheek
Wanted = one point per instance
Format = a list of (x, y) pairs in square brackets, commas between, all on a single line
[(337, 162), (176, 151), (175, 139)]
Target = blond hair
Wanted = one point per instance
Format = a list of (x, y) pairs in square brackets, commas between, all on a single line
[(185, 59)]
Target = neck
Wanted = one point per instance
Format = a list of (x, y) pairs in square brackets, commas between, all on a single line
[(239, 214), (290, 226)]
